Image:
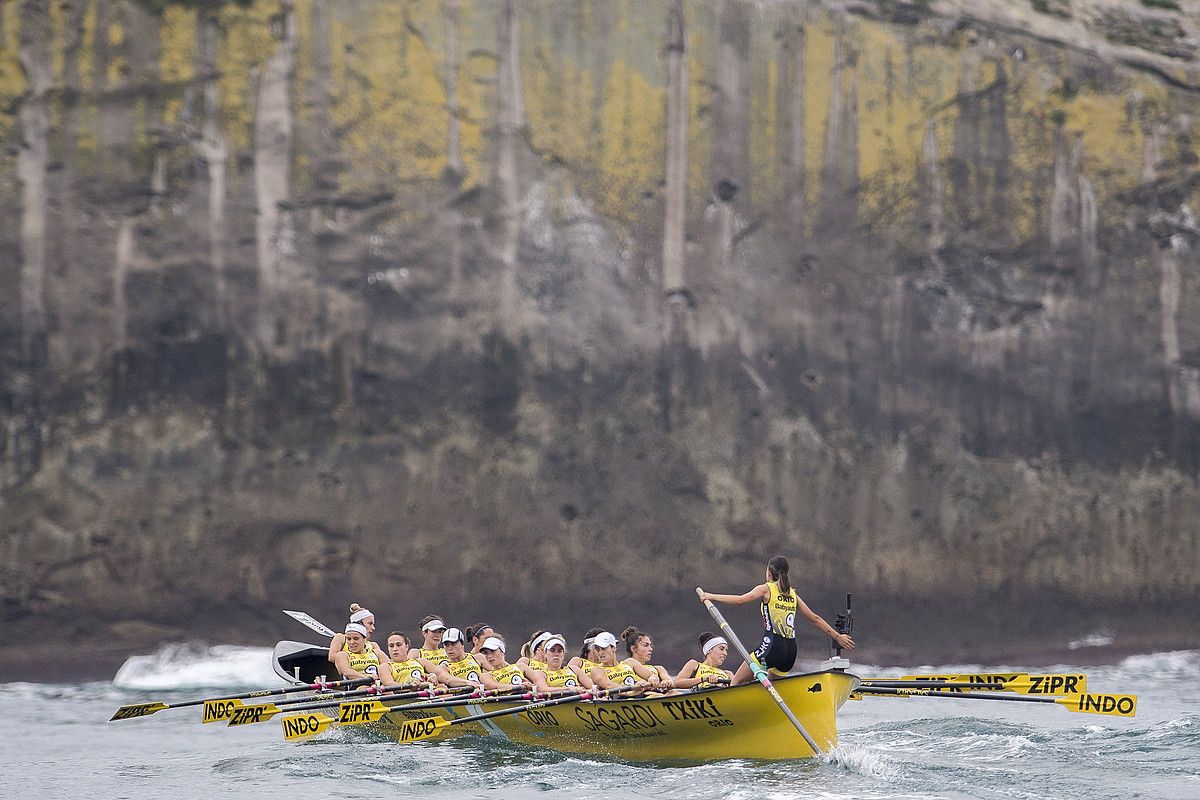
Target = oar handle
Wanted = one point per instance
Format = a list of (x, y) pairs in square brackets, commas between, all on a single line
[(556, 701), (758, 671)]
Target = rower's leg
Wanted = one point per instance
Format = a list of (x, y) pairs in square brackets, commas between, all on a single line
[(743, 674)]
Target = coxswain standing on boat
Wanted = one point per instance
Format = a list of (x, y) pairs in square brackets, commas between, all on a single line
[(365, 618), (502, 675), (432, 629), (640, 648), (779, 604), (404, 669), (360, 661), (611, 674), (556, 674), (714, 650)]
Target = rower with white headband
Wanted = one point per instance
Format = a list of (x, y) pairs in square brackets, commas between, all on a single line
[(610, 673), (499, 674), (432, 629), (587, 654), (533, 651), (708, 671), (358, 660), (365, 618)]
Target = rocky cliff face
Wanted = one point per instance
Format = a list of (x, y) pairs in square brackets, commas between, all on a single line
[(553, 310)]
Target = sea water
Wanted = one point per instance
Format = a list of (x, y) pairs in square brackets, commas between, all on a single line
[(60, 744)]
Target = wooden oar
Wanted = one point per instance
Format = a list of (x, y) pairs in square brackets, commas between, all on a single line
[(1114, 705), (211, 703), (756, 668), (250, 715), (412, 730)]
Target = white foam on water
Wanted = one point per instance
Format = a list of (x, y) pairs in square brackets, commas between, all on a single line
[(860, 760), (192, 666), (1091, 640)]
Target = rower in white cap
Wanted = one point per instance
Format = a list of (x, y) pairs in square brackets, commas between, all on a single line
[(461, 668), (610, 673), (501, 675), (432, 629), (557, 674)]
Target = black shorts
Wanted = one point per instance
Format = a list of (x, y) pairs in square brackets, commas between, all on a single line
[(776, 652)]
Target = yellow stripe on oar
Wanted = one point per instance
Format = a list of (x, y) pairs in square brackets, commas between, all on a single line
[(220, 710), (304, 725), (1114, 705), (138, 710)]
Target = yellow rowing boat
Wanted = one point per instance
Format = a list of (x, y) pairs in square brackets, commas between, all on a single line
[(718, 723)]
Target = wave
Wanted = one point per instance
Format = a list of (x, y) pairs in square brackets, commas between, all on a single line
[(194, 666)]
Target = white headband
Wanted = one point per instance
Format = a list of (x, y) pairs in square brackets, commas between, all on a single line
[(354, 627), (540, 639), (492, 643), (360, 615), (715, 641)]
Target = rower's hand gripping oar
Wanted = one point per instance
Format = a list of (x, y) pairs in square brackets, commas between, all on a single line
[(756, 668), (214, 705), (412, 730), (1113, 705)]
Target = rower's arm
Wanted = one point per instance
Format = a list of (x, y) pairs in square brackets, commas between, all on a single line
[(445, 677), (824, 627), (685, 679), (644, 672), (601, 679), (536, 677), (383, 657), (342, 662), (759, 593), (489, 682), (584, 679), (335, 647)]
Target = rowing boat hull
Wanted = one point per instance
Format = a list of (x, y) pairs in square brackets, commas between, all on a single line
[(735, 722)]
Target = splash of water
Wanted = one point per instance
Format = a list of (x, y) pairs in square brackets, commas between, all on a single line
[(193, 666)]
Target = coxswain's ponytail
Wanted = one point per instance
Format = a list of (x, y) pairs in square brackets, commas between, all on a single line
[(778, 567)]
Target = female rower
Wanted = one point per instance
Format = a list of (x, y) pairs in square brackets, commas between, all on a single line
[(432, 629), (365, 618), (556, 674), (587, 654), (532, 652), (714, 650), (358, 660), (405, 669), (478, 634), (461, 668), (611, 674), (779, 604), (502, 675), (640, 648)]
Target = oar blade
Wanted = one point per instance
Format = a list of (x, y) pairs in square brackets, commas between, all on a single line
[(137, 710), (250, 715), (304, 726), (1113, 705), (414, 730), (219, 710), (358, 712)]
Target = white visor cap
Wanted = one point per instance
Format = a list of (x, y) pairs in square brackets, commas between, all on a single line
[(603, 640), (555, 640), (492, 643), (434, 625)]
